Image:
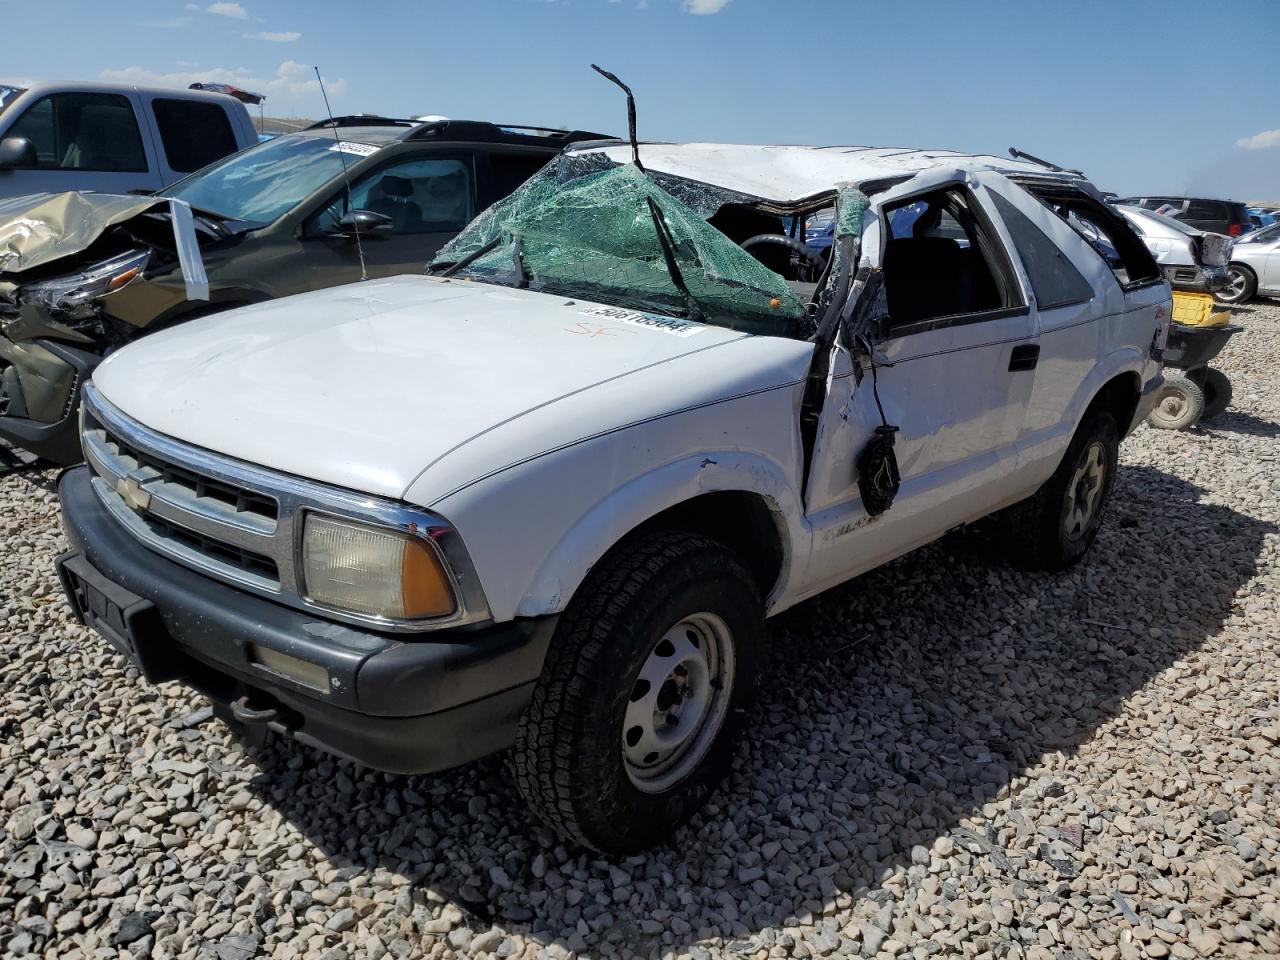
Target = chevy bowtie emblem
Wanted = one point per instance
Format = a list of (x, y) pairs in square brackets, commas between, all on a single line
[(132, 494)]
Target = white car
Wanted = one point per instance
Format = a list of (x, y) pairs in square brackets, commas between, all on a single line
[(546, 498), (1255, 267), (1192, 259)]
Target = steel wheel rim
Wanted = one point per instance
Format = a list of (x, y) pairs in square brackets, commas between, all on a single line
[(1173, 405), (678, 702), (1084, 492)]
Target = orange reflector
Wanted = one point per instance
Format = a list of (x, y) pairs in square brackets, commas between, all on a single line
[(120, 279), (423, 583), (775, 303)]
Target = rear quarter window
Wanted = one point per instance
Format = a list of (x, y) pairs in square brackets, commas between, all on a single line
[(1054, 279), (194, 134)]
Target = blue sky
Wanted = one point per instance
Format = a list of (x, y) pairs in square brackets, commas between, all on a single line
[(1144, 97)]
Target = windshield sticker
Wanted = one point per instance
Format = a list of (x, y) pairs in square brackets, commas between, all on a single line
[(651, 321), (350, 146)]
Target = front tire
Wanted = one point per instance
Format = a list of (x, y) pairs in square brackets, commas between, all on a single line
[(1055, 527), (1242, 284), (644, 693)]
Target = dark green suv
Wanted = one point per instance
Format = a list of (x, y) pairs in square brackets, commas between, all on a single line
[(277, 219)]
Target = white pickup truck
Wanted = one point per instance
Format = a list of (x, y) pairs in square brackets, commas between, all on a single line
[(545, 497)]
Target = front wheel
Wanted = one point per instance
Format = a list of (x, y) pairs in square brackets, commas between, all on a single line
[(1055, 527), (644, 693)]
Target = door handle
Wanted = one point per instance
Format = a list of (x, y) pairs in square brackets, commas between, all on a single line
[(1024, 357)]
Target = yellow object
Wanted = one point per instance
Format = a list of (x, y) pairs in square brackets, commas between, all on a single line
[(1196, 310)]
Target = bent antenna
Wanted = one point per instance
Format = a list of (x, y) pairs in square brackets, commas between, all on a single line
[(631, 112), (346, 174), (1023, 155)]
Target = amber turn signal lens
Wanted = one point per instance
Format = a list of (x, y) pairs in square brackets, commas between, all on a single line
[(424, 585), (120, 279)]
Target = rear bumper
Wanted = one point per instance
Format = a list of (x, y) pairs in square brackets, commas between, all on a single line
[(395, 704), (1196, 279)]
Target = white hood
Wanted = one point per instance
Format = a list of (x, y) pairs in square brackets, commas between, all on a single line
[(365, 386)]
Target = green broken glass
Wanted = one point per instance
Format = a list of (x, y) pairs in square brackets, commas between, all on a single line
[(584, 227)]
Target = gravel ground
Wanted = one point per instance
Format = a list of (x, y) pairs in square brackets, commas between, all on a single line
[(949, 758)]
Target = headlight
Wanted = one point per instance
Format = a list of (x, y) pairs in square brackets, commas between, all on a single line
[(374, 571), (72, 296)]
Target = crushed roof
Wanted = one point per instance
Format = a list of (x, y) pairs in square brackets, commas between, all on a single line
[(788, 174)]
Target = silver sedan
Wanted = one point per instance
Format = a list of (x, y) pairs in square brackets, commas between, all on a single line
[(1255, 267)]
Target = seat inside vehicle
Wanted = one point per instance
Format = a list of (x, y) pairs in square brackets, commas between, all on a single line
[(934, 265), (106, 138), (390, 197)]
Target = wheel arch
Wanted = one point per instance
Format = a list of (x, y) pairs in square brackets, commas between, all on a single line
[(1120, 396), (737, 499)]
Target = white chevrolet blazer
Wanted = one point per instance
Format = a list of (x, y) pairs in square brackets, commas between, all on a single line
[(544, 497)]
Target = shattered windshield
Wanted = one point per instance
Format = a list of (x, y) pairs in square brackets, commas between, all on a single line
[(9, 94), (589, 227), (265, 182)]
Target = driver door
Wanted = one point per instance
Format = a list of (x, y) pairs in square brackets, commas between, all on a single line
[(954, 373), (86, 140)]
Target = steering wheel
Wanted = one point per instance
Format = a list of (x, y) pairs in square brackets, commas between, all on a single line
[(781, 240)]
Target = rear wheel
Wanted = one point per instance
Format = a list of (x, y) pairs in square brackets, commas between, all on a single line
[(643, 695), (1242, 284), (1217, 393), (1055, 527), (1179, 405)]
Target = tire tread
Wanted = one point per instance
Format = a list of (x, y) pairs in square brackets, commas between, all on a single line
[(543, 759), (1029, 528)]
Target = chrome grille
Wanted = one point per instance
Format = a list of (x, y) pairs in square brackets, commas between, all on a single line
[(181, 481), (205, 521), (233, 556), (241, 523)]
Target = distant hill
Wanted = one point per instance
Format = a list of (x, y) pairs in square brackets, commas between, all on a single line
[(278, 125)]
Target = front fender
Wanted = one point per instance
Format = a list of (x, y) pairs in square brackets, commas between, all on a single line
[(644, 497)]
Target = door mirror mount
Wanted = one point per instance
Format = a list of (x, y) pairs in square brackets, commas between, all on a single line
[(17, 153), (365, 223)]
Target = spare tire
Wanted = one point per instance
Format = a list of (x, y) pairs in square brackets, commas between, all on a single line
[(1179, 405)]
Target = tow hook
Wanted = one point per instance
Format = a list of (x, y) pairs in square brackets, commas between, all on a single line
[(241, 710)]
